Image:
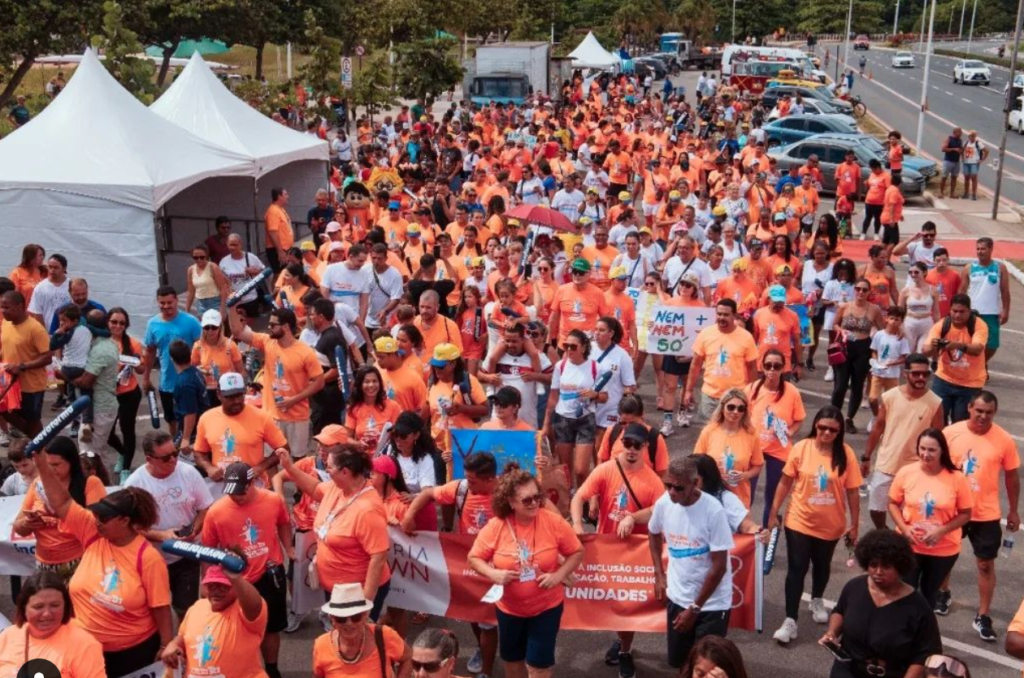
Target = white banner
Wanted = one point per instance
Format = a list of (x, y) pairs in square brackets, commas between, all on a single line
[(669, 330), (17, 554)]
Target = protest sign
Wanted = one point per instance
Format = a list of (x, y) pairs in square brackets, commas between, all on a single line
[(506, 446)]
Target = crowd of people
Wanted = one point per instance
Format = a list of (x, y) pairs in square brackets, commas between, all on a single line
[(405, 314)]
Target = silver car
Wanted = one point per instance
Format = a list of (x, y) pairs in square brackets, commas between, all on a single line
[(831, 152), (903, 60)]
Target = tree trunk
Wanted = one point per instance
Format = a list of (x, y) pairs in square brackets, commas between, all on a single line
[(19, 74), (259, 62), (165, 63)]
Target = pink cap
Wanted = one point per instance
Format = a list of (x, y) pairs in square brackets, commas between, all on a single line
[(215, 575), (386, 465)]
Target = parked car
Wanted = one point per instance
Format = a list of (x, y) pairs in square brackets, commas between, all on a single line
[(971, 71), (657, 65), (1018, 82), (862, 42), (903, 60), (785, 131), (1016, 120), (815, 107), (831, 151), (771, 95), (923, 166)]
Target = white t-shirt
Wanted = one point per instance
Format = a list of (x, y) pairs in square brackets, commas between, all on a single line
[(675, 267), (889, 347), (234, 271), (569, 380), (621, 367), (345, 285), (417, 474), (617, 235), (597, 178), (735, 511), (525, 191), (568, 203), (838, 292), (179, 497), (654, 252), (384, 287), (510, 368), (812, 281), (47, 299), (76, 352), (972, 151), (916, 251), (636, 268), (692, 533)]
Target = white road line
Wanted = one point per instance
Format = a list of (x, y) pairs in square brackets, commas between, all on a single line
[(1004, 329), (935, 86), (1002, 660), (1005, 375), (948, 93), (987, 109), (965, 99)]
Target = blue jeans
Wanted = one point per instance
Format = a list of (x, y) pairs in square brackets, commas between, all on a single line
[(954, 398)]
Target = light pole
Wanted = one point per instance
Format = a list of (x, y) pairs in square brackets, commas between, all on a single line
[(1006, 114), (896, 19), (963, 11), (970, 35), (734, 21), (846, 43), (920, 36), (924, 83)]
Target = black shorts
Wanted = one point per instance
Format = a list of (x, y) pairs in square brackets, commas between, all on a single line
[(277, 601), (670, 364), (167, 403), (986, 537), (184, 576), (891, 234), (615, 189)]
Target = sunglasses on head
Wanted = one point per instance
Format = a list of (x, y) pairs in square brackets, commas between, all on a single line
[(429, 667), (532, 500)]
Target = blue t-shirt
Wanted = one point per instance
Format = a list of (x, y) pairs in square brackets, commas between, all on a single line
[(161, 334), (190, 395), (90, 305)]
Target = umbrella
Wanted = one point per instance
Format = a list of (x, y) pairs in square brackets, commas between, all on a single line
[(542, 216), (186, 48)]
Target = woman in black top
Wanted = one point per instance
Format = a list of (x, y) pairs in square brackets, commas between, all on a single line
[(886, 627)]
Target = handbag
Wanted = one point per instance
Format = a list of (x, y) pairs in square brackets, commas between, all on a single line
[(837, 350)]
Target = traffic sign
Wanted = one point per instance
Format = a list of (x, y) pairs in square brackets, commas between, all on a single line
[(346, 72), (360, 50)]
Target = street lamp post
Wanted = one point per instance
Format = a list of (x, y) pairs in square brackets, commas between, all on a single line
[(924, 84), (920, 37), (970, 35), (896, 19), (1008, 106), (734, 20), (846, 43), (963, 11)]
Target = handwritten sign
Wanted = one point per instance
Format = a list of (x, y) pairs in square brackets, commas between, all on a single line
[(806, 329), (515, 137), (672, 329)]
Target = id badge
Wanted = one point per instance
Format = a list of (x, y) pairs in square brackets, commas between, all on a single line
[(527, 574)]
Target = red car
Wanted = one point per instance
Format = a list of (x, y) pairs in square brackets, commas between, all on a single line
[(862, 42)]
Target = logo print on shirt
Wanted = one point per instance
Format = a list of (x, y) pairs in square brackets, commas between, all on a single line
[(927, 505), (822, 479), (621, 500), (729, 459), (971, 463), (250, 533), (577, 306), (227, 442), (205, 647), (885, 352), (723, 356), (111, 579)]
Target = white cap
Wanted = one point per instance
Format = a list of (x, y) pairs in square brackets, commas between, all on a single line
[(332, 227), (231, 383), (212, 318)]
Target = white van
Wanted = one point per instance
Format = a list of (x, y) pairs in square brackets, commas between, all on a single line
[(737, 53)]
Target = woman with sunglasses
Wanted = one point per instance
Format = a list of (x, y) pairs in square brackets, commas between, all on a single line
[(780, 253), (922, 303), (121, 589), (613, 358), (410, 347), (815, 276), (730, 439), (369, 409), (717, 270), (930, 501), (215, 354), (572, 405), (434, 654), (353, 645), (821, 469), (208, 287), (857, 321), (294, 283), (129, 395), (530, 551), (544, 287), (886, 627), (777, 412)]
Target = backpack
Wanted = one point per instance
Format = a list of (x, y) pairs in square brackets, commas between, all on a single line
[(652, 441), (947, 323)]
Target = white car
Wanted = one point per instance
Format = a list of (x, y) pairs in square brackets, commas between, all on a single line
[(1018, 82), (971, 71), (903, 60), (1016, 120)]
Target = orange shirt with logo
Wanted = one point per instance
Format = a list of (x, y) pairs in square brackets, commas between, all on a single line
[(725, 358), (53, 545), (744, 291), (946, 284), (279, 223), (239, 438), (615, 501), (327, 664), (305, 509), (442, 331), (606, 451), (981, 458), (367, 421), (439, 396), (779, 330), (286, 372), (348, 532), (961, 369), (579, 309), (71, 649), (406, 387), (214, 360), (227, 641), (817, 503), (773, 417), (115, 588), (622, 308), (600, 264), (927, 502), (251, 527), (618, 166), (734, 451), (877, 183), (474, 510)]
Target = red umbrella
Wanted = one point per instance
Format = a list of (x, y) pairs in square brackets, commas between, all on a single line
[(542, 216)]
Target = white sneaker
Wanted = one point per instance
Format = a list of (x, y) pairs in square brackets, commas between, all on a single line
[(786, 632), (830, 375), (476, 662), (294, 622), (4, 440), (666, 428), (871, 424), (818, 612), (863, 236), (683, 418)]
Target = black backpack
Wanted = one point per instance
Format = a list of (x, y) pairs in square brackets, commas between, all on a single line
[(652, 441), (947, 323)]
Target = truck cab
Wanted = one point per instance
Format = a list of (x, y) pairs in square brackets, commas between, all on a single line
[(500, 88)]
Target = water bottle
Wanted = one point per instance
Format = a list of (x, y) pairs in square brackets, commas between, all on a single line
[(1007, 546)]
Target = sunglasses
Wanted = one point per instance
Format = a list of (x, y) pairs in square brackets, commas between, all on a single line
[(632, 444), (429, 667), (166, 457), (650, 284), (822, 428), (532, 500), (579, 273), (199, 257), (940, 665), (117, 322), (922, 374), (736, 408), (865, 290), (210, 328), (672, 487), (543, 269), (571, 347), (354, 619), (773, 367)]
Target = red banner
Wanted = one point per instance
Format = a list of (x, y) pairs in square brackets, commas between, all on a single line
[(614, 588)]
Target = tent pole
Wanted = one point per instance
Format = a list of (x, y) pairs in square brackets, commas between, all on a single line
[(255, 215)]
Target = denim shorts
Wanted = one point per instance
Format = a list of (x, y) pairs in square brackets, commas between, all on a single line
[(570, 431), (529, 638), (971, 169)]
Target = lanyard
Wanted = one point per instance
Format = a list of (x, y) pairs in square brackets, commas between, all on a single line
[(338, 511)]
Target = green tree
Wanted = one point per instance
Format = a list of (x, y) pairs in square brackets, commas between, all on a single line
[(120, 45), (696, 20), (426, 68), (320, 74), (168, 22), (868, 17), (372, 86)]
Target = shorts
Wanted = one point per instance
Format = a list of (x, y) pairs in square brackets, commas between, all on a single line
[(530, 639), (891, 234), (615, 189), (993, 331), (184, 577), (670, 364), (31, 406), (167, 404), (650, 210), (971, 169), (708, 405), (570, 431), (880, 385), (297, 434), (711, 623), (277, 600), (950, 168), (878, 491), (986, 537)]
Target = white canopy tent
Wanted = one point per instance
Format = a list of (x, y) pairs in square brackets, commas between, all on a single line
[(590, 54), (87, 178), (200, 103)]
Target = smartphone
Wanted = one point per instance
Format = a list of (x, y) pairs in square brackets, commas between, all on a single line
[(838, 652)]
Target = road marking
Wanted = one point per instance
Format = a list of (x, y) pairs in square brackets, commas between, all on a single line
[(948, 93), (1004, 329), (1005, 375), (955, 644), (987, 109), (965, 99), (933, 86)]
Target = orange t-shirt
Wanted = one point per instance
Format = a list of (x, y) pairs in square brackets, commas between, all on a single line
[(876, 183), (579, 309), (251, 527), (759, 271), (660, 454), (946, 285), (226, 641), (892, 209), (615, 501), (474, 510), (817, 504), (547, 293), (725, 358), (286, 372), (406, 387), (600, 264), (443, 331), (115, 588), (534, 549), (25, 281), (439, 396), (927, 502), (982, 457), (53, 545), (772, 418), (327, 664), (737, 451), (367, 421), (348, 532), (280, 223), (880, 286), (133, 382), (394, 230), (776, 329), (847, 177), (214, 361), (305, 509), (966, 370), (74, 652), (744, 292), (618, 167), (621, 307), (239, 438)]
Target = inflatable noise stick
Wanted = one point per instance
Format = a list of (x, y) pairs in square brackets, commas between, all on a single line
[(769, 554), (57, 425), (342, 364), (249, 286), (231, 562), (154, 409)]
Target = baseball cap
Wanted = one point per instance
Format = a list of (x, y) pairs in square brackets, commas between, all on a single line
[(636, 432), (755, 243), (646, 230), (581, 264), (513, 222), (307, 246), (618, 272), (625, 196), (394, 205), (336, 246), (593, 190), (719, 211), (777, 293), (783, 269), (739, 265), (476, 261), (675, 196), (105, 510), (212, 318), (237, 477), (231, 383), (386, 465), (332, 227), (585, 221), (444, 354), (215, 575), (385, 345), (413, 231), (332, 434), (690, 278), (779, 216)]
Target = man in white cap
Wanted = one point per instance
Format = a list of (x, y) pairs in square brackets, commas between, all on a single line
[(332, 234)]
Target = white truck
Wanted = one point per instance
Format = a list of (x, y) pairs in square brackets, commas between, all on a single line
[(507, 72)]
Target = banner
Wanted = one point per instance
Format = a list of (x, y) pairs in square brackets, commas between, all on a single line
[(614, 589), (671, 330), (518, 446), (806, 329), (528, 140), (17, 554)]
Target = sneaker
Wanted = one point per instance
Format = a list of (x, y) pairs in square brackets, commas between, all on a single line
[(627, 669), (476, 662), (863, 236), (786, 632), (683, 418), (294, 622), (325, 621), (666, 428), (59, 404), (830, 375), (611, 657), (119, 464), (75, 427), (818, 611), (983, 625), (943, 603), (810, 365), (86, 435), (4, 440)]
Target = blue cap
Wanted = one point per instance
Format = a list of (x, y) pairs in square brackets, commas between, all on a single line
[(394, 205)]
